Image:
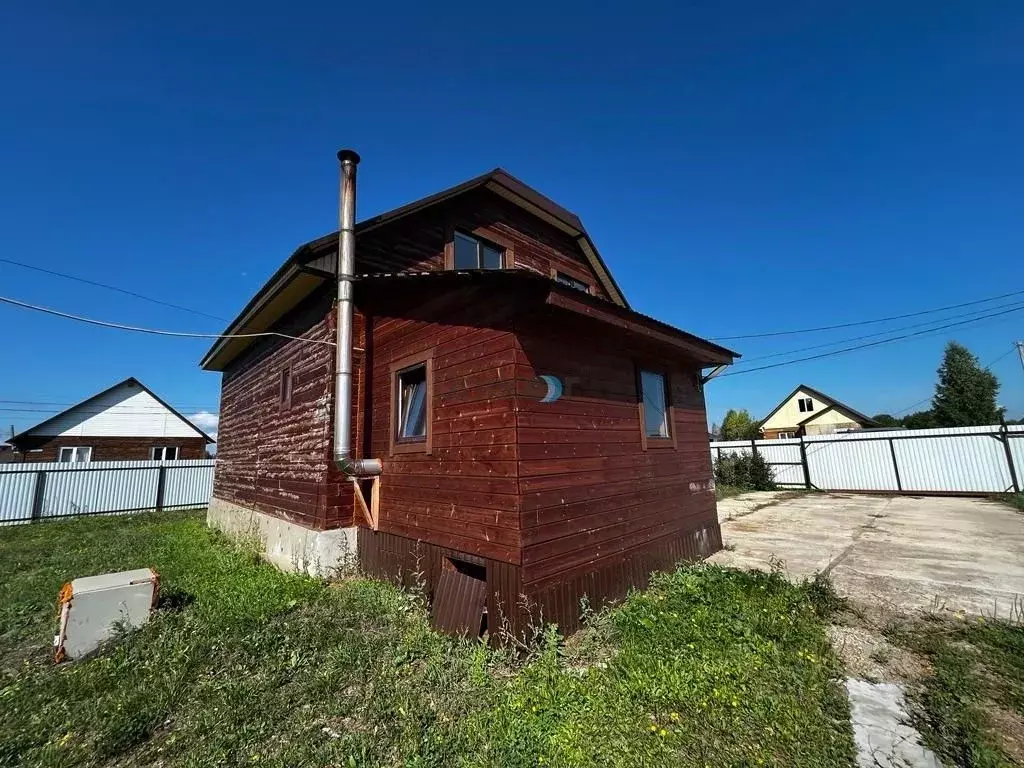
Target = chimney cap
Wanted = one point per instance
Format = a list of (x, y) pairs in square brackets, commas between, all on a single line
[(348, 154)]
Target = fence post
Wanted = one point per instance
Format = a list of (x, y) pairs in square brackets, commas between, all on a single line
[(1005, 437), (803, 463), (160, 486), (895, 466), (38, 495)]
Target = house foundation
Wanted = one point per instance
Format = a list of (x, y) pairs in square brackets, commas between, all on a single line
[(287, 545)]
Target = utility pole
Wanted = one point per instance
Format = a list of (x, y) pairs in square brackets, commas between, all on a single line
[(1020, 351)]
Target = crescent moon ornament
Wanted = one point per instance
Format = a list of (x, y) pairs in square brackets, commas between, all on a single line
[(554, 387)]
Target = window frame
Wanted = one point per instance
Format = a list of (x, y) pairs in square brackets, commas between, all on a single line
[(284, 388), (648, 441), (74, 455), (484, 236), (805, 404), (163, 449), (588, 286), (425, 444), (784, 436)]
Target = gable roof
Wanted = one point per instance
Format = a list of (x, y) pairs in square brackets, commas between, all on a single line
[(297, 278), (130, 380), (830, 401)]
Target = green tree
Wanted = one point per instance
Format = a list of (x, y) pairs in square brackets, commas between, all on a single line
[(919, 420), (886, 420), (965, 395), (738, 425)]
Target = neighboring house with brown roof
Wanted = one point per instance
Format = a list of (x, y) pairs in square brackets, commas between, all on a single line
[(806, 411), (125, 422)]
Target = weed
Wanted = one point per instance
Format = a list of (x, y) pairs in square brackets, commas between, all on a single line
[(977, 664)]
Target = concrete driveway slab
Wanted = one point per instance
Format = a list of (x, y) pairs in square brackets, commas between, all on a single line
[(957, 554)]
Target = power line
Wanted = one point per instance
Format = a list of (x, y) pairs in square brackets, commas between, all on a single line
[(878, 333), (865, 322), (869, 344), (125, 291), (180, 334)]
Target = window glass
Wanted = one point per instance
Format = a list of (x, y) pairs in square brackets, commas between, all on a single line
[(412, 405), (572, 282), (492, 258), (465, 252), (472, 253), (164, 453), (652, 386), (74, 454)]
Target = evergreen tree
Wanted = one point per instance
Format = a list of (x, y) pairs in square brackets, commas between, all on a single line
[(965, 395)]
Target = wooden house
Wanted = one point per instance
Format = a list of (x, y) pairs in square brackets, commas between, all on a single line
[(127, 422), (519, 435)]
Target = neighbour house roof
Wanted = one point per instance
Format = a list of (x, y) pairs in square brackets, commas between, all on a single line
[(831, 402), (302, 273), (43, 428)]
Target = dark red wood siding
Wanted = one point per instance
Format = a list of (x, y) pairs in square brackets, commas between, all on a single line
[(418, 243), (463, 495), (596, 507), (275, 457)]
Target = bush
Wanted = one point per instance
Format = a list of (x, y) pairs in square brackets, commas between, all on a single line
[(748, 472)]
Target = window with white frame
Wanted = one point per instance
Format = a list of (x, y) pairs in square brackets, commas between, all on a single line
[(806, 405), (75, 454), (784, 435), (163, 453)]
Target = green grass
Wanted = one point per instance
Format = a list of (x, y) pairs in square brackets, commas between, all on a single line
[(976, 665), (1015, 500), (250, 666)]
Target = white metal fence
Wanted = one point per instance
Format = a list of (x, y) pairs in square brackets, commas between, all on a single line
[(968, 460), (48, 489)]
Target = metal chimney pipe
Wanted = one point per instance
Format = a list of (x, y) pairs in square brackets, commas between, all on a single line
[(346, 264)]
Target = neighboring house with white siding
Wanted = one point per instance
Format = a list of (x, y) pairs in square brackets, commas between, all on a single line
[(806, 411), (126, 422)]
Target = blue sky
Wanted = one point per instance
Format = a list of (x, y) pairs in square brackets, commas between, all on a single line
[(743, 167)]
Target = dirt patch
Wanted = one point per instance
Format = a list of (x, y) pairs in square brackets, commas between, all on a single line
[(1010, 727), (859, 637), (869, 656)]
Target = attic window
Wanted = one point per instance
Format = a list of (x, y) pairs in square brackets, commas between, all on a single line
[(571, 282), (806, 404), (469, 252)]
